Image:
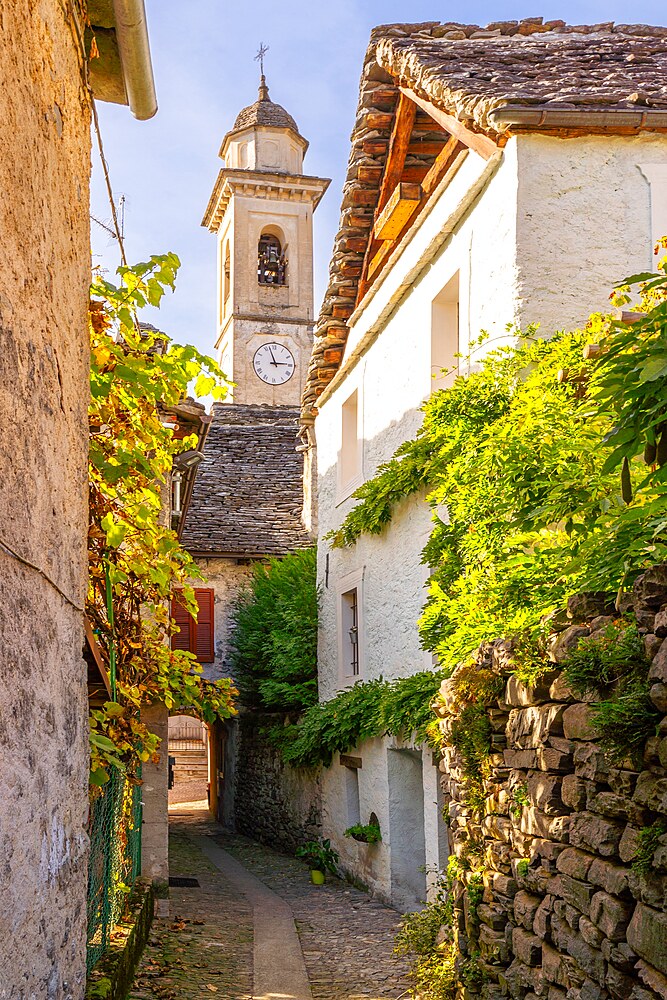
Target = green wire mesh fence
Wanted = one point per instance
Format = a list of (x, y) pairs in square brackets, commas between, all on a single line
[(114, 827)]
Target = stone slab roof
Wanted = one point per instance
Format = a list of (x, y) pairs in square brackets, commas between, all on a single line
[(248, 494), (470, 72)]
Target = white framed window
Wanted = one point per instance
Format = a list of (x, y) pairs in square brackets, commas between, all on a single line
[(352, 796), (445, 322), (351, 442), (350, 626)]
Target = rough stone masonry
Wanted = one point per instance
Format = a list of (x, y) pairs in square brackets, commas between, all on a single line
[(564, 914), (44, 375)]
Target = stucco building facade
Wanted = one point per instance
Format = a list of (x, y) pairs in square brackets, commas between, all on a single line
[(479, 198), (44, 379)]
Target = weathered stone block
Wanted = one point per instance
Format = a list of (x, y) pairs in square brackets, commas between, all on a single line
[(590, 763), (542, 920), (611, 877), (587, 958), (650, 588), (658, 695), (573, 792), (590, 933), (560, 690), (629, 844), (618, 984), (525, 907), (564, 643), (493, 916), (526, 946), (519, 695), (609, 804), (658, 668), (649, 889), (551, 759), (520, 759), (647, 935), (566, 917), (500, 883), (546, 849), (652, 644), (528, 728), (538, 824), (620, 954), (544, 791), (516, 979), (571, 861), (611, 915), (560, 969), (652, 978), (595, 833), (573, 891), (492, 945), (590, 604), (623, 782), (591, 991), (577, 722)]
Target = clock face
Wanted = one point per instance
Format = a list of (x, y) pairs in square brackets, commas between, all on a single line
[(273, 363)]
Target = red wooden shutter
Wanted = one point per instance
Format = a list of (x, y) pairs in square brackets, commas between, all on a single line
[(204, 645), (183, 638)]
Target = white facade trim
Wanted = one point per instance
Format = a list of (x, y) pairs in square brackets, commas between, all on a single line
[(351, 581)]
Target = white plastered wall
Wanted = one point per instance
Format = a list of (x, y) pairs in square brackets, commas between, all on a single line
[(548, 229)]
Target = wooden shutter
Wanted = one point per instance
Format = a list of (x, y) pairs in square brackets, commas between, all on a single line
[(181, 639), (196, 636), (204, 645)]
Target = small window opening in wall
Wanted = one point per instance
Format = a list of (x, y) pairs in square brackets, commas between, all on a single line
[(226, 279), (350, 459), (352, 796), (445, 324), (271, 262), (350, 623)]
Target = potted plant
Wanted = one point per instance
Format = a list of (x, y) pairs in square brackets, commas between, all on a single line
[(320, 857), (368, 833)]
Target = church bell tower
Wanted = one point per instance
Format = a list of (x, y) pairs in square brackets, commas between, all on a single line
[(261, 211)]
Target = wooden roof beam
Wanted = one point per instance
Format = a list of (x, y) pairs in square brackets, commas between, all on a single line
[(406, 112), (476, 141)]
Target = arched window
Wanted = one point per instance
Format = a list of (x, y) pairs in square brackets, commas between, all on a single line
[(271, 263)]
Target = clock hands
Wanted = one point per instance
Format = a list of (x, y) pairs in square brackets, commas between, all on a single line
[(273, 360)]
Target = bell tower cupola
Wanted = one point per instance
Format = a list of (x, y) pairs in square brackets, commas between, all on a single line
[(261, 211)]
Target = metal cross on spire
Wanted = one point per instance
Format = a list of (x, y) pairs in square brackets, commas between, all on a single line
[(261, 52)]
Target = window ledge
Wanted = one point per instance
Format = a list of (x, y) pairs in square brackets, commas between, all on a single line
[(345, 491)]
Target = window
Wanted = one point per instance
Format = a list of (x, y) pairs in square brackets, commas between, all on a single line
[(195, 635), (271, 263), (349, 465), (350, 627), (445, 335), (226, 279)]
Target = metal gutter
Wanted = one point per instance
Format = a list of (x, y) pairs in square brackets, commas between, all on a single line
[(135, 57), (530, 117)]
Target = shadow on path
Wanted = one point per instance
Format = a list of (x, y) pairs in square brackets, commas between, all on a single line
[(234, 937)]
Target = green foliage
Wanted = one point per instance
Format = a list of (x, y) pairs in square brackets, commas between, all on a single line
[(420, 937), (519, 799), (523, 454), (320, 856), (649, 841), (368, 834), (135, 561), (523, 867), (471, 736), (274, 642), (625, 721), (605, 658), (361, 712)]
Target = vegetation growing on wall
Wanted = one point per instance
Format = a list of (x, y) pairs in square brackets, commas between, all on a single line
[(134, 559), (361, 712), (274, 642), (531, 461)]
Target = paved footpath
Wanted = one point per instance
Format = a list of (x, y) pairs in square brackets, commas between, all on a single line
[(256, 929)]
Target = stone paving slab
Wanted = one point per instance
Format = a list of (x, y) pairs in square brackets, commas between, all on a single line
[(346, 937), (205, 949)]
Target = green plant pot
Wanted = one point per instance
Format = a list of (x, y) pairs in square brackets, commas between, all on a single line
[(317, 878)]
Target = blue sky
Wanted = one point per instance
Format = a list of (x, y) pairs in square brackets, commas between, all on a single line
[(203, 59)]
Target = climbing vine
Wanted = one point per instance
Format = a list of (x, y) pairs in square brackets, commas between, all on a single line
[(520, 460), (134, 559)]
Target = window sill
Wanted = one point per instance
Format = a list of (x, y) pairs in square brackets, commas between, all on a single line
[(345, 491)]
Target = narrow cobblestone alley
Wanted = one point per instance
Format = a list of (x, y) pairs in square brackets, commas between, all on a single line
[(233, 936)]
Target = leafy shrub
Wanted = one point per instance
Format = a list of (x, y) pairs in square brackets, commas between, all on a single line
[(274, 641), (320, 856), (624, 722), (420, 938), (649, 841), (366, 710), (367, 834), (605, 658), (471, 735)]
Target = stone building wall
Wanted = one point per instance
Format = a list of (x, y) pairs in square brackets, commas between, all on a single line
[(564, 913), (273, 803), (44, 377)]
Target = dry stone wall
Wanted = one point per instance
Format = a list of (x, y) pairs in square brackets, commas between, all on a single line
[(273, 802), (566, 912)]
